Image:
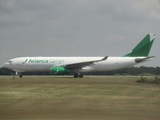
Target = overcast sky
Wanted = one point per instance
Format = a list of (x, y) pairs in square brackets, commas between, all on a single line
[(77, 27)]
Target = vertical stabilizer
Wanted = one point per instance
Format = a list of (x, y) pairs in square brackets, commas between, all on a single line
[(143, 48)]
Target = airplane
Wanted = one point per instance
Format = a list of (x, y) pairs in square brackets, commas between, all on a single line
[(79, 65)]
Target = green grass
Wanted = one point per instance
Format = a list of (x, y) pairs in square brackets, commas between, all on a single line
[(65, 98)]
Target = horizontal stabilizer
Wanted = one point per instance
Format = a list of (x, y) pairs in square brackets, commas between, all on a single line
[(138, 60)]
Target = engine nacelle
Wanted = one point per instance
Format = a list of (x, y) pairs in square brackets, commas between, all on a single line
[(59, 71)]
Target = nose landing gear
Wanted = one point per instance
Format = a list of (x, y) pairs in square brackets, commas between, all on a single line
[(19, 74)]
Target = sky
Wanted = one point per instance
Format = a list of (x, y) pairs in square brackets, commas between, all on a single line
[(77, 27)]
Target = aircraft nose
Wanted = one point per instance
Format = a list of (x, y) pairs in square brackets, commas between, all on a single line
[(6, 64)]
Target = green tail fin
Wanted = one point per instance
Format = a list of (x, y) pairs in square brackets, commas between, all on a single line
[(143, 48)]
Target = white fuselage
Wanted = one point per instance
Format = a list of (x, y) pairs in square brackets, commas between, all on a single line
[(29, 64)]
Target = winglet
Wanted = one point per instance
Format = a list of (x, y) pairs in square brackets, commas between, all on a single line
[(105, 58)]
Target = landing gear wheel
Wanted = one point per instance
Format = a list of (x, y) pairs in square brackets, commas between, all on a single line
[(80, 76), (75, 75), (20, 75)]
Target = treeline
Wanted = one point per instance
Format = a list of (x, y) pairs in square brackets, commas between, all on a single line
[(142, 70), (5, 71)]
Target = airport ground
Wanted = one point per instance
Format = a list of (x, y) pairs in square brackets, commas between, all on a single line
[(88, 98)]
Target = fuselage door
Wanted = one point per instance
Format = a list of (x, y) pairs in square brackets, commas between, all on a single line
[(19, 64)]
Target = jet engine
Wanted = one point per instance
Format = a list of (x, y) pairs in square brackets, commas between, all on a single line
[(59, 71)]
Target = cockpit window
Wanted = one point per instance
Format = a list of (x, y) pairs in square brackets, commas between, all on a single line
[(10, 62)]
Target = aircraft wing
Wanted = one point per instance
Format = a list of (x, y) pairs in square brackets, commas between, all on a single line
[(138, 60), (82, 64)]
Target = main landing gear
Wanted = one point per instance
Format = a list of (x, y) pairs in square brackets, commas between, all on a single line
[(76, 75)]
